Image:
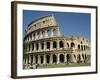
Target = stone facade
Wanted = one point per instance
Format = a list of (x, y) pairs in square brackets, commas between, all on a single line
[(44, 44)]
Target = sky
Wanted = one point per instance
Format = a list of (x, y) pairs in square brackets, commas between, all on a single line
[(70, 23)]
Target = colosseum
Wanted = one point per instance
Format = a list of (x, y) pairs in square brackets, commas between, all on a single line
[(45, 45)]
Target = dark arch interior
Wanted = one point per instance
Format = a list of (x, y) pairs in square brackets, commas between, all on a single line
[(78, 46), (61, 44), (48, 45), (37, 46), (36, 59), (41, 59), (54, 59), (72, 45), (67, 44), (49, 33), (61, 58), (28, 59), (42, 45), (54, 32), (81, 47), (32, 46), (48, 58), (78, 58), (29, 47), (31, 60), (85, 56), (81, 42), (84, 47), (54, 44), (68, 58)]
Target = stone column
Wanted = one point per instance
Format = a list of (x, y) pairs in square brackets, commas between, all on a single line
[(51, 59), (29, 58), (58, 32), (71, 57), (65, 60), (26, 39), (58, 44), (29, 38), (34, 46), (28, 47), (58, 59), (51, 45), (36, 36), (26, 59), (39, 59), (39, 46), (81, 58), (51, 35), (32, 37), (46, 33), (40, 35), (44, 59), (65, 44), (44, 45), (31, 47), (34, 59)]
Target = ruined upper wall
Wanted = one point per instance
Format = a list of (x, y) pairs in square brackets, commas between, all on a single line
[(42, 22)]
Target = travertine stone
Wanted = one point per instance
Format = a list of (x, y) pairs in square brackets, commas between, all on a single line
[(76, 49)]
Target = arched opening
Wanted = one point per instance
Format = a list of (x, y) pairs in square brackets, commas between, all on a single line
[(32, 46), (48, 45), (78, 58), (54, 59), (67, 45), (27, 38), (44, 22), (31, 59), (81, 42), (41, 57), (61, 58), (72, 45), (37, 46), (38, 35), (61, 44), (83, 56), (68, 58), (48, 59), (25, 58), (54, 32), (29, 47), (74, 56), (28, 59), (42, 46), (43, 34), (86, 47), (82, 47), (49, 33), (54, 44), (36, 57), (34, 35), (78, 46), (31, 36)]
